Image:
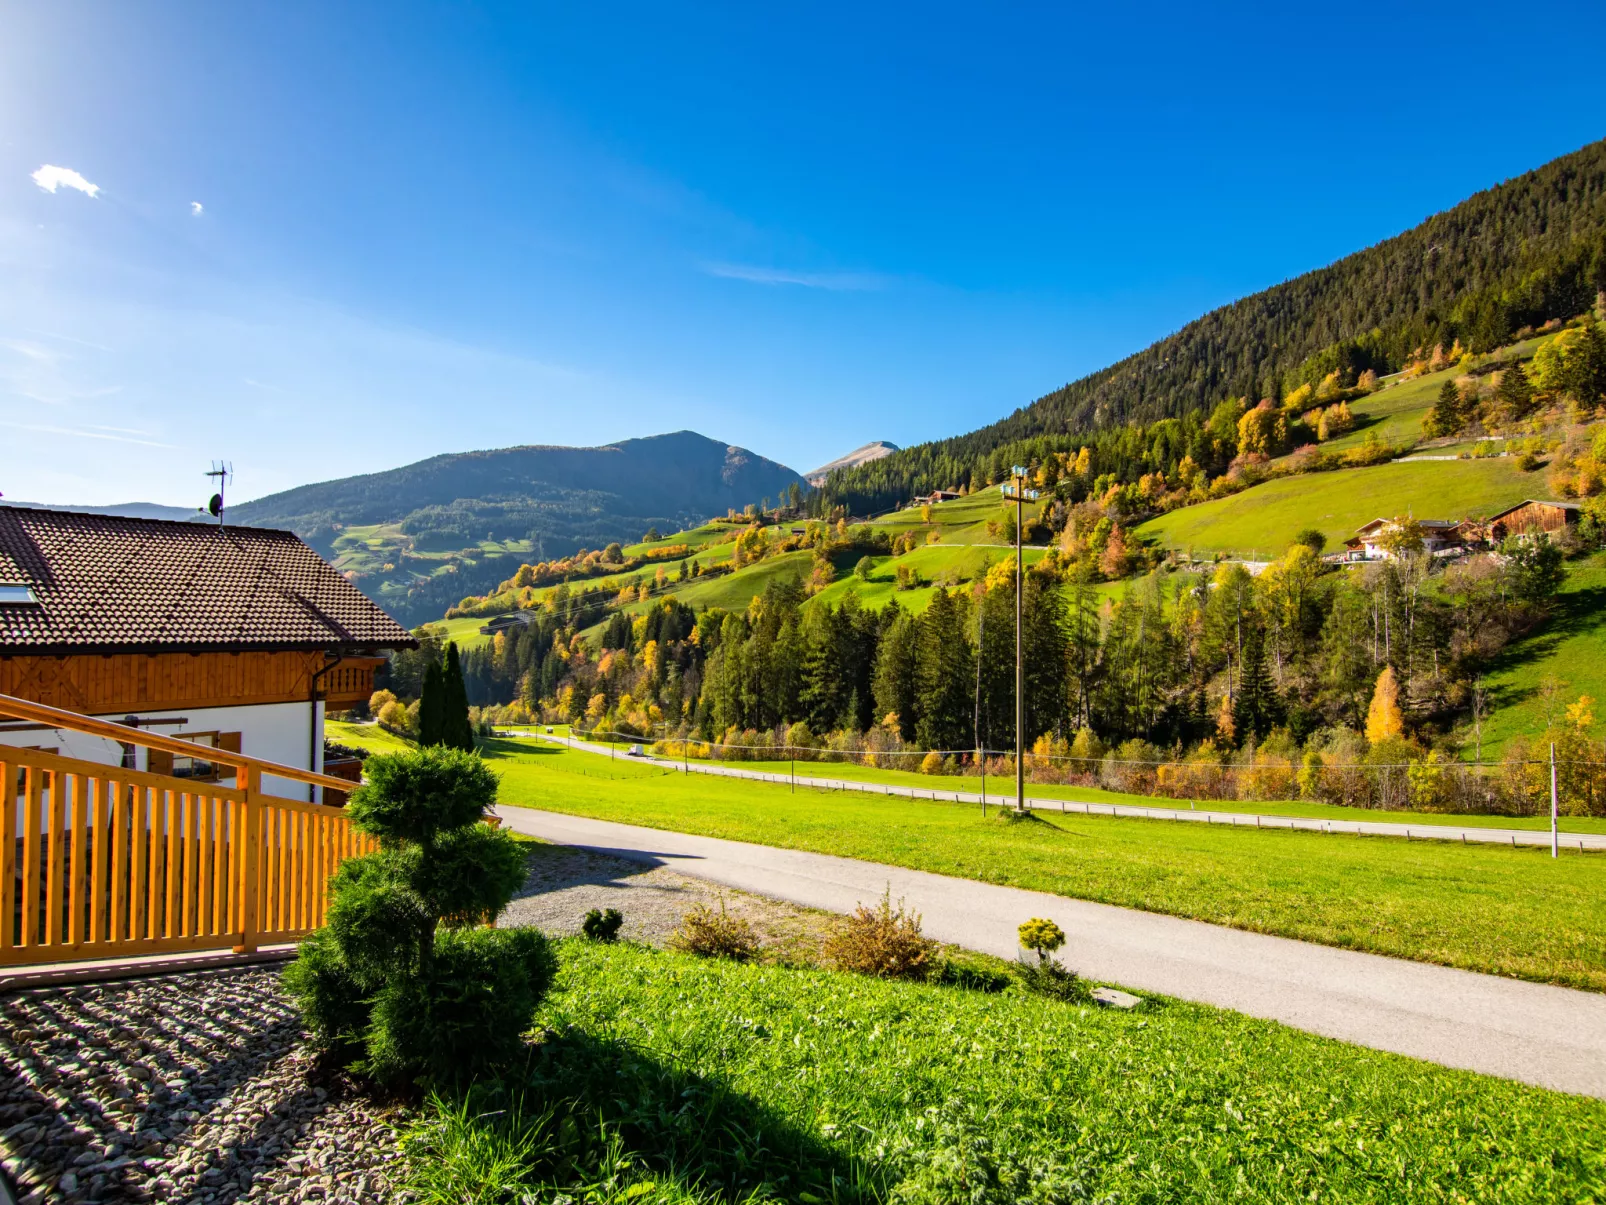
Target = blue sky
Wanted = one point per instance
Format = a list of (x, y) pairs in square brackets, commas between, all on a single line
[(330, 239)]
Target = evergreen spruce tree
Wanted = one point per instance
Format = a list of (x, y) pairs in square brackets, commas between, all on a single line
[(825, 686), (895, 672), (1257, 706), (1446, 417), (1045, 648), (1515, 394), (943, 676), (1586, 366), (456, 730), (432, 706)]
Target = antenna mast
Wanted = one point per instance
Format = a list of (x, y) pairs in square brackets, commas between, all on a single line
[(224, 472)]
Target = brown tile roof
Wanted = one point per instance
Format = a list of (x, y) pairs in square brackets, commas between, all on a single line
[(109, 583)]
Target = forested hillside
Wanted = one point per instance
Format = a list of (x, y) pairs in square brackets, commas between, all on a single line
[(1514, 256), (420, 537)]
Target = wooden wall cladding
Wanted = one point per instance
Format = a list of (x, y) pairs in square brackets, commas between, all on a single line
[(133, 682)]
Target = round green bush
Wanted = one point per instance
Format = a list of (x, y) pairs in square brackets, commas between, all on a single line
[(401, 981)]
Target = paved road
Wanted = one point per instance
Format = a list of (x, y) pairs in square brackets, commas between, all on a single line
[(1551, 1036), (1370, 828)]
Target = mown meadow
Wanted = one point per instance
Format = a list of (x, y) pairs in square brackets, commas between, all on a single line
[(659, 1077)]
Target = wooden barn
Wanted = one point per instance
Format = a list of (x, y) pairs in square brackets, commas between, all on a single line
[(234, 639), (1531, 517)]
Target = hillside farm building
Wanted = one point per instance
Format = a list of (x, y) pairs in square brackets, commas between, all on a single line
[(505, 623), (1439, 536), (935, 497), (1532, 517), (233, 638)]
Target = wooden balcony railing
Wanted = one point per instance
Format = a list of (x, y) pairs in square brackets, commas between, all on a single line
[(103, 862)]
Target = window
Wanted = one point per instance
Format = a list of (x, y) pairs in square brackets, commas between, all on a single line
[(17, 594), (196, 767)]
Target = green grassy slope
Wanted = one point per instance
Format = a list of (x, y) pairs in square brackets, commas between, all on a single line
[(1571, 647), (723, 1082), (1260, 522)]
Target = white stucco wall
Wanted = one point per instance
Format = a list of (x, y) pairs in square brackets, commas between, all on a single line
[(278, 732)]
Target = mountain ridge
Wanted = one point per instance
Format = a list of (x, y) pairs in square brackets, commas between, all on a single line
[(1516, 254), (421, 536)]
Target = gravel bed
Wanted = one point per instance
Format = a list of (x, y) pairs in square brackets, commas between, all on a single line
[(565, 883), (181, 1088)]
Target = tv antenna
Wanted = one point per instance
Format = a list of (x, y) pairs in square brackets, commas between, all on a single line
[(224, 472)]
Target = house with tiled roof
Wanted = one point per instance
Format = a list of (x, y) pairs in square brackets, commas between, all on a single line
[(232, 638)]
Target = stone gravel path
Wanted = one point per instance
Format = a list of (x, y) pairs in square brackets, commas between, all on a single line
[(565, 883), (180, 1088)]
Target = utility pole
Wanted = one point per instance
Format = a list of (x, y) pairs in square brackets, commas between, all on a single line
[(1016, 491), (1554, 838)]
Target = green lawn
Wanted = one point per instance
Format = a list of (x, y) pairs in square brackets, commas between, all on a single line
[(663, 1078), (1570, 647), (1506, 911), (370, 737), (1261, 522)]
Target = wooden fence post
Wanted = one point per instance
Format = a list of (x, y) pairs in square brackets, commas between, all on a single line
[(250, 780)]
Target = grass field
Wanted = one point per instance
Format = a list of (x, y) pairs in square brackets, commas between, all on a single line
[(1260, 522), (1506, 911), (664, 1078), (1570, 647), (464, 632), (1393, 415)]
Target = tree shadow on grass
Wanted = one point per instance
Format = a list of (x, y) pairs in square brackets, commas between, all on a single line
[(585, 1108), (1577, 613)]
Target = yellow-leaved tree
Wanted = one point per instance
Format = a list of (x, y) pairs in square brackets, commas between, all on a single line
[(1384, 720)]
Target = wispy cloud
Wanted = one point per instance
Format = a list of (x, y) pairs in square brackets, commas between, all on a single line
[(50, 178), (197, 208), (847, 282), (110, 434), (31, 351)]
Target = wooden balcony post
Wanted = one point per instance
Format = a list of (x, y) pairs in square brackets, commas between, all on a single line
[(249, 779)]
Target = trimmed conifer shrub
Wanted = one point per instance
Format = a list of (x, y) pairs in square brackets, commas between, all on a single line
[(403, 982)]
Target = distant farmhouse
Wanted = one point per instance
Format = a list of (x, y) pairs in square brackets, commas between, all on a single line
[(1446, 537), (233, 638), (935, 497), (1369, 543)]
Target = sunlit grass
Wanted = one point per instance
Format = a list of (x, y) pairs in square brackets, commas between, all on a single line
[(662, 1077), (1510, 911)]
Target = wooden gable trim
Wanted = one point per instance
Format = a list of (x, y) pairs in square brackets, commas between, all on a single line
[(134, 682)]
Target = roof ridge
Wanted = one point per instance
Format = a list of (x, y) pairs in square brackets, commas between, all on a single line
[(106, 582)]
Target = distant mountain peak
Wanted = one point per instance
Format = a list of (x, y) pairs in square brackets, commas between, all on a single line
[(864, 455)]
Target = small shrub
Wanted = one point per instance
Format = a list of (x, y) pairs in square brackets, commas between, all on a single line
[(931, 763), (715, 934), (970, 977), (1049, 978), (602, 926), (883, 941), (1041, 936)]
